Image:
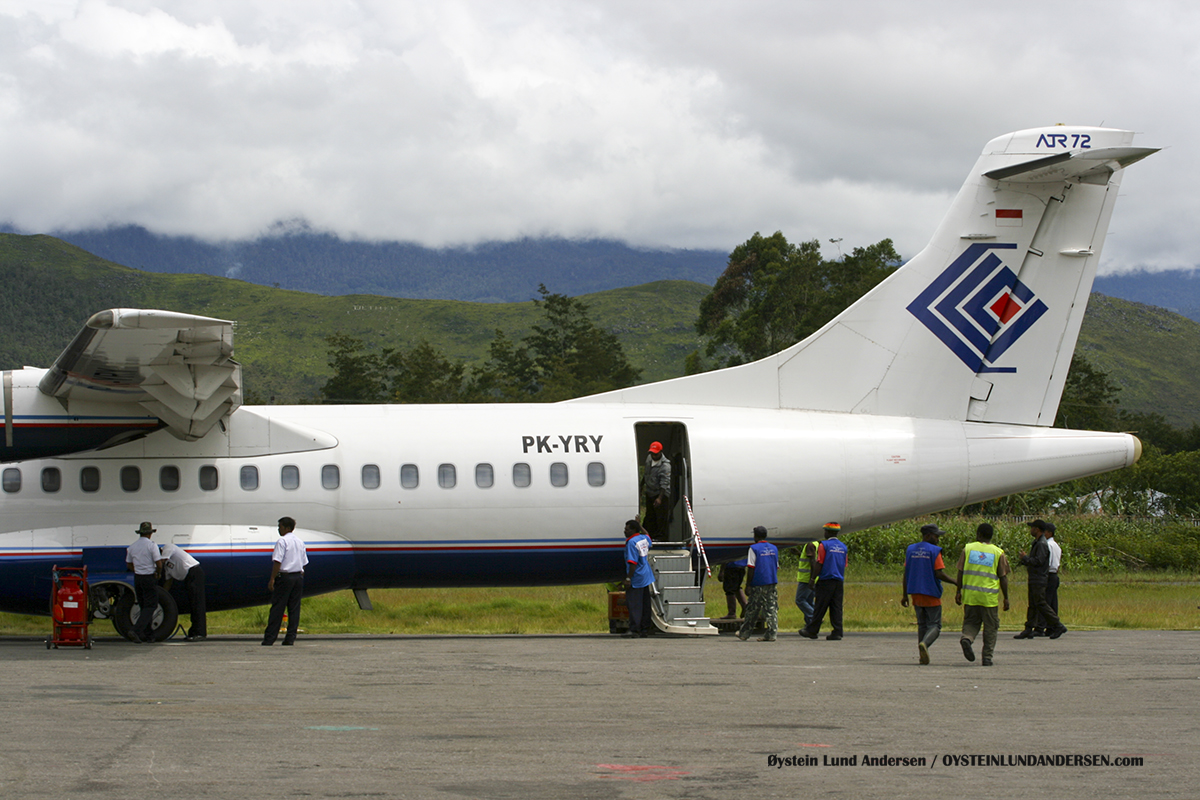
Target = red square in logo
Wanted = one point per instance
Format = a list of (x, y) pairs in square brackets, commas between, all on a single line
[(1006, 307)]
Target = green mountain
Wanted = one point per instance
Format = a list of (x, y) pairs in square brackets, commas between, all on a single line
[(52, 287)]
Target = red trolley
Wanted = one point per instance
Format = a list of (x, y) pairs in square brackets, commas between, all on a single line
[(69, 608)]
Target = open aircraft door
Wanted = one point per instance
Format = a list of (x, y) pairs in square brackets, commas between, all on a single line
[(674, 439)]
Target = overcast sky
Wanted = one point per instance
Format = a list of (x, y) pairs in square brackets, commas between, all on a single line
[(681, 124)]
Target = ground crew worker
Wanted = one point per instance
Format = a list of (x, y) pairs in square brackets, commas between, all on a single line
[(982, 578), (806, 593), (145, 562), (924, 574), (762, 570), (830, 567)]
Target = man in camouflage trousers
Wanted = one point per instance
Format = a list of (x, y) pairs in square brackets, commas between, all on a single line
[(762, 569)]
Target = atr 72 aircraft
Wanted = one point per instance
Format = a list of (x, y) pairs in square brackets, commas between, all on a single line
[(934, 390)]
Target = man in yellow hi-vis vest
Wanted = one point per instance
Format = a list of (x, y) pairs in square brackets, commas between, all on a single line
[(982, 579)]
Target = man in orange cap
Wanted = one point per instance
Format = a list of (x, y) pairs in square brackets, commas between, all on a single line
[(657, 487)]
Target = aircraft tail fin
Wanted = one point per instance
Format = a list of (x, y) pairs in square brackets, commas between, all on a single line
[(982, 323)]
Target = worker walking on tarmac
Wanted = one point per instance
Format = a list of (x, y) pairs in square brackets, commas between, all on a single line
[(982, 579), (924, 574), (762, 570), (830, 567), (805, 591)]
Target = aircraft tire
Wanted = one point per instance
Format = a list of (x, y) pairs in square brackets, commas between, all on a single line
[(125, 615)]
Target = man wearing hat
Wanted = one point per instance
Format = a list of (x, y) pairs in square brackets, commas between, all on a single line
[(830, 568), (924, 574), (1037, 561), (657, 484), (144, 561)]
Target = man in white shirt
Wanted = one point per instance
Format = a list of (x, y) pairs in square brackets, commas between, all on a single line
[(1051, 578), (180, 566), (287, 583), (144, 561)]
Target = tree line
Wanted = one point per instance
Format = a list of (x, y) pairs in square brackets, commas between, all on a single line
[(566, 355)]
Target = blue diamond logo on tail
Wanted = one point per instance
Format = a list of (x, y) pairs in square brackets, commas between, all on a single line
[(978, 307)]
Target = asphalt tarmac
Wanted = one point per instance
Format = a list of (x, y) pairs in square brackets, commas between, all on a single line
[(1105, 714)]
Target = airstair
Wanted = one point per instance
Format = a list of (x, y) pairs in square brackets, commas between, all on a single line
[(680, 570)]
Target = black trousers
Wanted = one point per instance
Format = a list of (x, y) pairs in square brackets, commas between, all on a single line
[(828, 598), (145, 588), (1040, 609), (193, 584), (1051, 598), (289, 588), (639, 601)]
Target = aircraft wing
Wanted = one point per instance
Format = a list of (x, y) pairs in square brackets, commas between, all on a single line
[(178, 367)]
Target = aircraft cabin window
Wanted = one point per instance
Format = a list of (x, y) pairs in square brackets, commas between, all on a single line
[(51, 480), (370, 476), (410, 477), (208, 478), (12, 480), (484, 476), (595, 474), (89, 479), (131, 479), (558, 474), (331, 477), (248, 477), (289, 477), (168, 479), (522, 475), (447, 476)]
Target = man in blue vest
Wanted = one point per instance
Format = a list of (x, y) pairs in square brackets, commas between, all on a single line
[(762, 571), (924, 574), (830, 567), (638, 579)]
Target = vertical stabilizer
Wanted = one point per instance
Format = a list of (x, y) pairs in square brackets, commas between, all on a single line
[(981, 324)]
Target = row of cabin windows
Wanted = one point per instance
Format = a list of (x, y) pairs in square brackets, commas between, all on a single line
[(169, 479)]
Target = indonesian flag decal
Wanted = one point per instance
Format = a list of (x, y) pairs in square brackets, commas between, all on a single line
[(1009, 217)]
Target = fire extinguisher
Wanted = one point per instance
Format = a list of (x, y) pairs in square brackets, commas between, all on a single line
[(70, 607)]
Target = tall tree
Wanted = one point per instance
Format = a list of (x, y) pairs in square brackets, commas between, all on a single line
[(773, 294)]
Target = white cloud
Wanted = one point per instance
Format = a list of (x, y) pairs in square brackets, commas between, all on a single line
[(681, 124)]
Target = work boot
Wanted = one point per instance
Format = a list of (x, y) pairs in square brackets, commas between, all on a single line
[(1025, 634), (968, 651)]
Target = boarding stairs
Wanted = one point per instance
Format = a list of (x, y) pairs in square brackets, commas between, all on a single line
[(680, 571)]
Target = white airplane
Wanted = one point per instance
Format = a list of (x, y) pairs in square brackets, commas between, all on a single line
[(934, 390)]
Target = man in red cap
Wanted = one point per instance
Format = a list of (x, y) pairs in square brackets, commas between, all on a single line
[(657, 486)]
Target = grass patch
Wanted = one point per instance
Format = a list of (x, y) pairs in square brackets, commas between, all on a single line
[(1089, 601)]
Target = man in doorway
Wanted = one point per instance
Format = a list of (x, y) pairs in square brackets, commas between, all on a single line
[(924, 574), (657, 488), (286, 584), (145, 562)]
